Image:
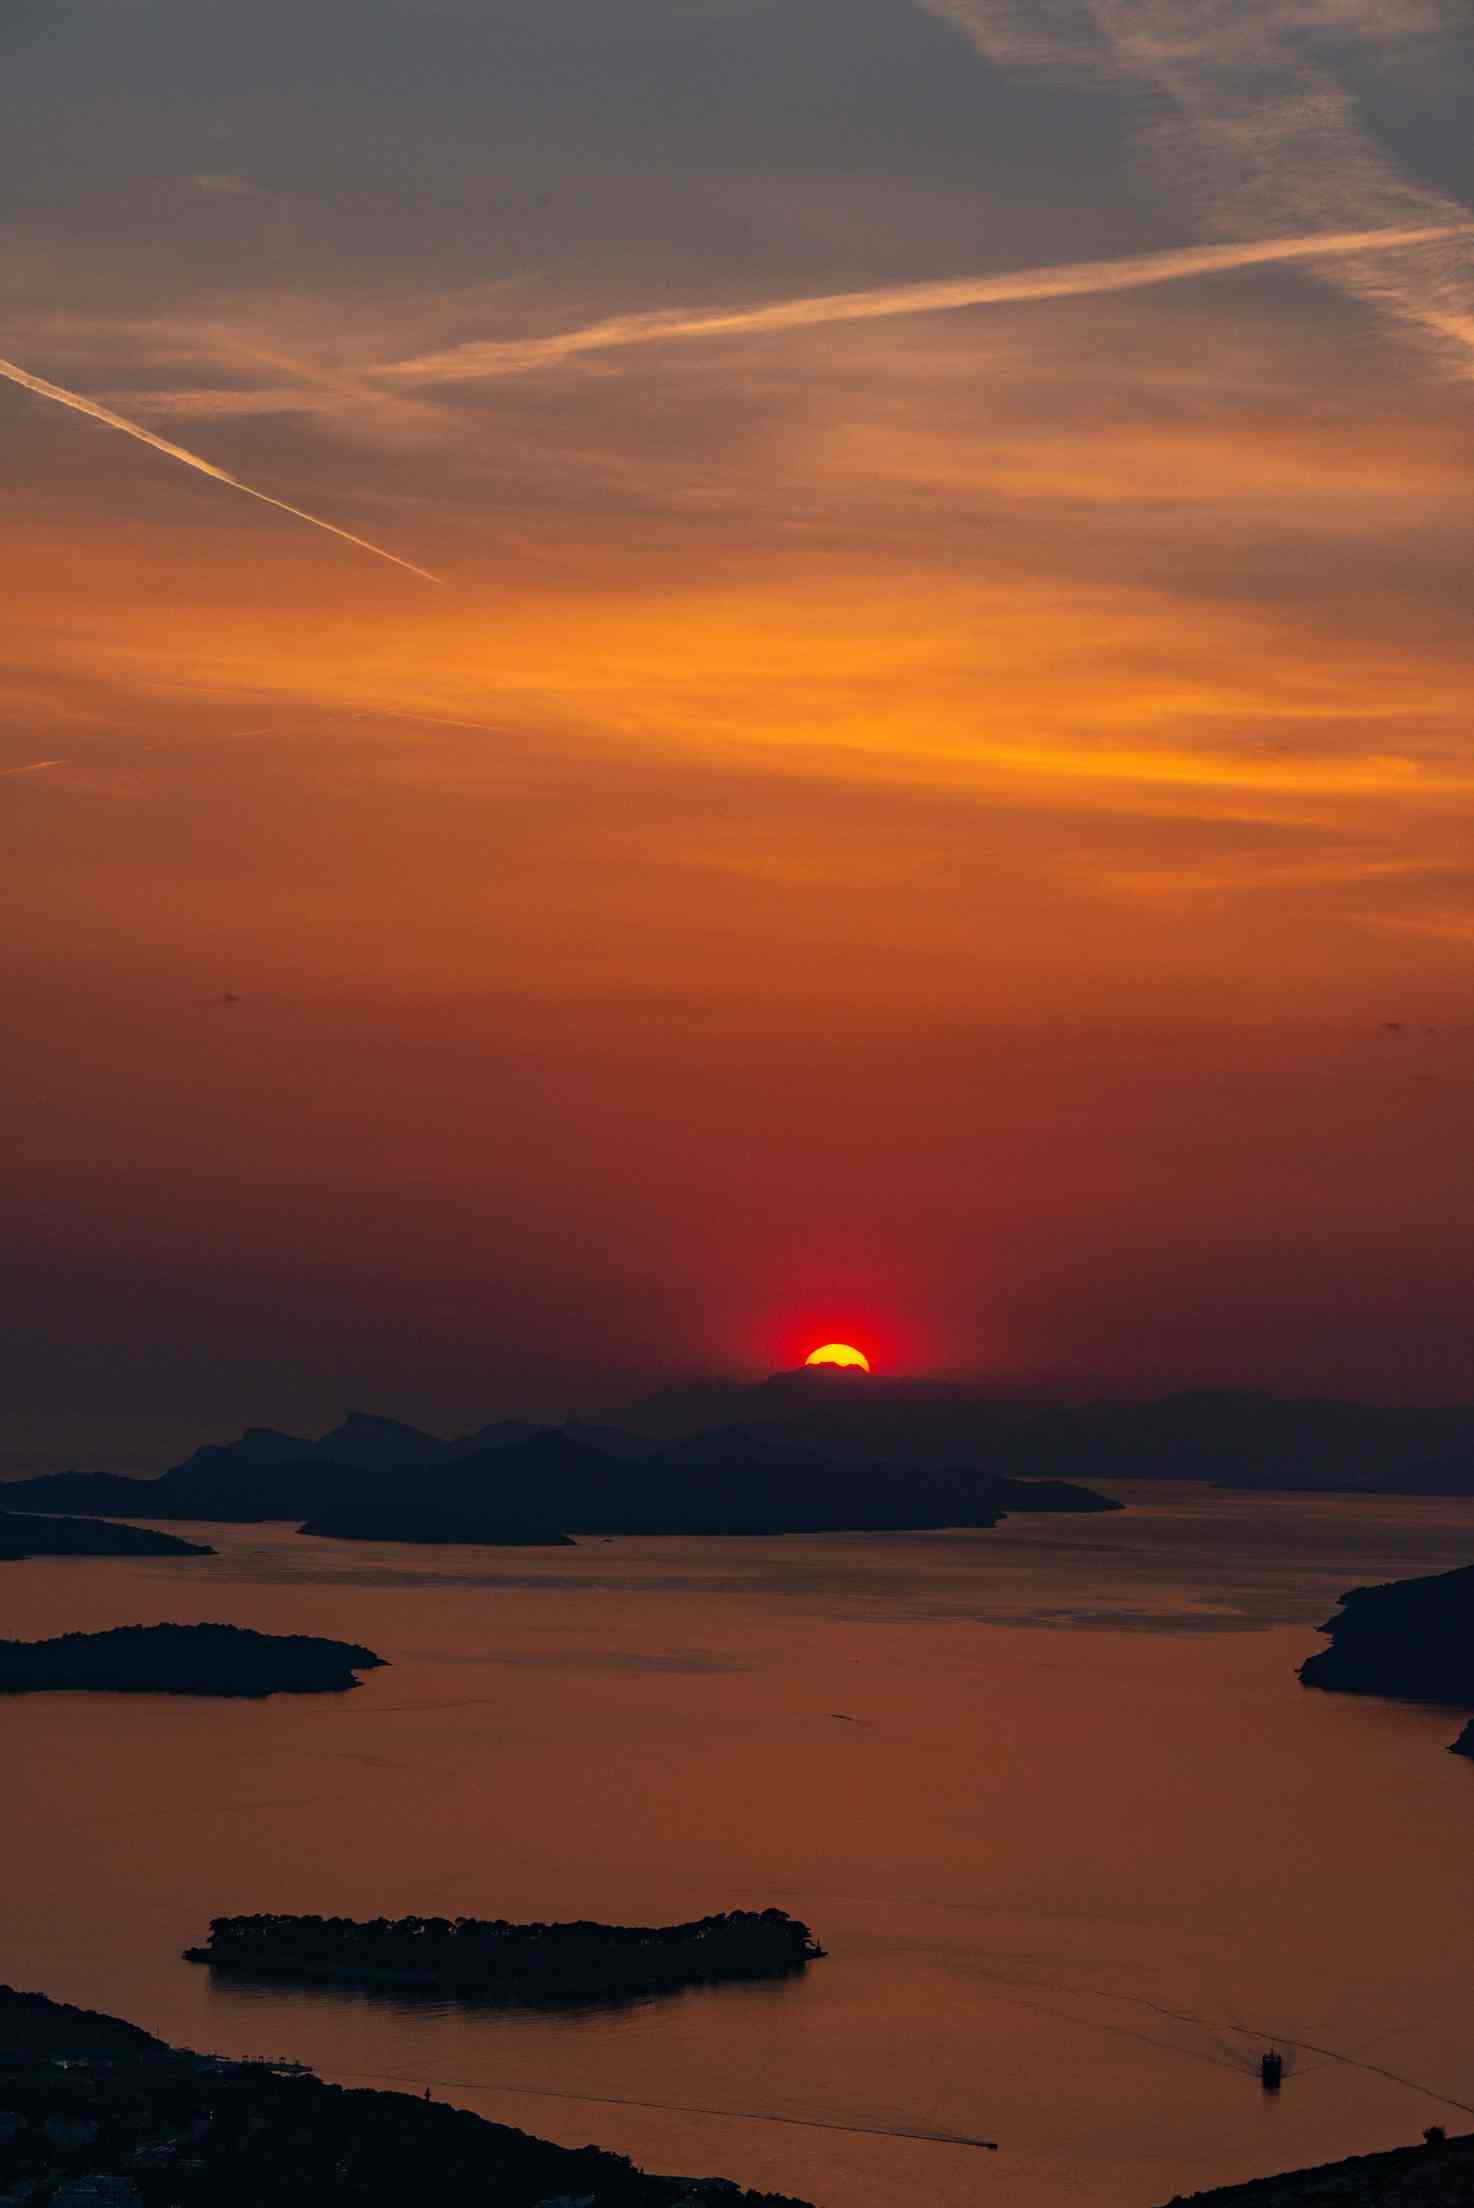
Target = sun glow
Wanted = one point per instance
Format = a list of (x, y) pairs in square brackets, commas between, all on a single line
[(838, 1353)]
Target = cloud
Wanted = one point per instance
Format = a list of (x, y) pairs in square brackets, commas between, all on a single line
[(110, 420), (1255, 126), (227, 184), (1069, 280), (34, 766)]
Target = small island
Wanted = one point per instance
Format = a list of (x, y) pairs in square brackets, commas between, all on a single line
[(490, 1959), (429, 1525), (183, 1659), (24, 1534), (99, 2111)]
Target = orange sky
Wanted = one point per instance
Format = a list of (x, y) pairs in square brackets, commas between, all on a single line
[(923, 821)]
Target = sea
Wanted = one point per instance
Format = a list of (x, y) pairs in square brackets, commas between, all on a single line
[(1077, 1842)]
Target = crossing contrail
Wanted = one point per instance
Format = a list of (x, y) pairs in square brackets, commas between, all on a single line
[(1256, 126), (1067, 280), (110, 420)]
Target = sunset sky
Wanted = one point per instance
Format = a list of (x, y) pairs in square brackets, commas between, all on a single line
[(914, 788)]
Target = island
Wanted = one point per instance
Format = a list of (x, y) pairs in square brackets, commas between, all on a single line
[(97, 2110), (183, 1659), (545, 1964), (745, 1479), (23, 1533), (1433, 2175), (427, 1523), (1412, 1639)]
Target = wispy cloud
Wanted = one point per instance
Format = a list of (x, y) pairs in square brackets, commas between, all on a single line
[(1257, 129), (1069, 280), (32, 766), (104, 414)]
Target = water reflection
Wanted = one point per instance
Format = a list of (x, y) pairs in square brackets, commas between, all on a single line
[(1051, 1796)]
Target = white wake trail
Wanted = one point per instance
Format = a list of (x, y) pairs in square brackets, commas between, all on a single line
[(104, 414), (1067, 280)]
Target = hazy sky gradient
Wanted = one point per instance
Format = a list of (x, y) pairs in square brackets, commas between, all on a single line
[(919, 821)]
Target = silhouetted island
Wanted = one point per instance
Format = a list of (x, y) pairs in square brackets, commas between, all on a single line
[(1409, 1638), (531, 1963), (726, 1480), (23, 1533), (1436, 2174), (97, 2110), (426, 1523), (183, 1659)]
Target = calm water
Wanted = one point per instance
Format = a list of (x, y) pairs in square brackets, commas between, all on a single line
[(1051, 1795)]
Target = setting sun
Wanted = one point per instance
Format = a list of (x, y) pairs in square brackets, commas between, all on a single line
[(838, 1353)]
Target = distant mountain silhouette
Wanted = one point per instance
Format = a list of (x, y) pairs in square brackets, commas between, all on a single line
[(498, 1435), (1233, 1437), (613, 1441), (739, 1479), (366, 1442)]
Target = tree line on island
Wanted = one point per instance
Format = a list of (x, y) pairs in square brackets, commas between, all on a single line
[(228, 1660), (492, 1958)]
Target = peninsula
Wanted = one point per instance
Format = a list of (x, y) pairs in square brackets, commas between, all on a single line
[(1411, 1638), (24, 1534), (98, 2111), (1433, 2175), (183, 1659), (490, 1959)]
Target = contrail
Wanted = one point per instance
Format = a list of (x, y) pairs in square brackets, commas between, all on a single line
[(1067, 280), (105, 415), (1255, 127), (35, 766)]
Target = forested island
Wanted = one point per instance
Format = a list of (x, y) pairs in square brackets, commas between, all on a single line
[(23, 1533), (183, 1659), (96, 2110), (426, 1523), (531, 1963), (1409, 1638)]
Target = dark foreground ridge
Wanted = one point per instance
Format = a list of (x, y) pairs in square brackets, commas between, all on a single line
[(1411, 1638), (183, 1659), (99, 2111), (1438, 2174), (24, 1534), (493, 1960), (741, 1479), (426, 1523)]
